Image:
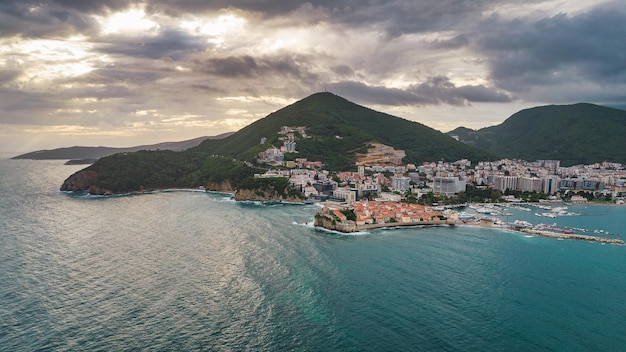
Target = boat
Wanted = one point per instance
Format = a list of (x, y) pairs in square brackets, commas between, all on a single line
[(522, 223), (463, 216), (556, 229)]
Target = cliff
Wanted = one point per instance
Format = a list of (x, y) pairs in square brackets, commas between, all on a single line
[(84, 180), (324, 221), (223, 186), (264, 195)]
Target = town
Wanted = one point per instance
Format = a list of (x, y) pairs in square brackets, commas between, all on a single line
[(380, 175), (385, 192)]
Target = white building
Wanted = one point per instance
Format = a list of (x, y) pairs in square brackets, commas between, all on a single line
[(400, 184), (348, 194), (529, 184), (551, 184), (502, 183), (448, 186)]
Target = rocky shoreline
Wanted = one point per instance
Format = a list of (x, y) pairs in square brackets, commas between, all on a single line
[(572, 236), (351, 226), (324, 219)]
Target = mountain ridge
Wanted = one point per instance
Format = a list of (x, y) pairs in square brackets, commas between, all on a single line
[(335, 131), (87, 152), (343, 127), (580, 133), (338, 129)]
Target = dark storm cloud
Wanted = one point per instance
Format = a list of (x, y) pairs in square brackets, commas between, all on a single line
[(91, 6), (394, 17), (590, 47), (247, 66), (269, 8), (373, 94), (168, 43), (436, 90), (135, 75), (37, 19), (101, 93), (343, 70), (440, 90), (8, 75), (482, 94), (21, 107)]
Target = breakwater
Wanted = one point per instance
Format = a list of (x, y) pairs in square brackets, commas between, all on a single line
[(571, 236)]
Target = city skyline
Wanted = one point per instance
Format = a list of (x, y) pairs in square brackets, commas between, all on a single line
[(122, 73)]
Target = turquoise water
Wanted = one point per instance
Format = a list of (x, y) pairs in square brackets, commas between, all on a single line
[(197, 271)]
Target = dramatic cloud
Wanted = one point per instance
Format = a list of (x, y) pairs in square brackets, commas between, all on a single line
[(435, 91), (557, 50), (124, 72)]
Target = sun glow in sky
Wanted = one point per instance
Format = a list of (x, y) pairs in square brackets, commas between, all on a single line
[(130, 21), (123, 72), (214, 27), (45, 60)]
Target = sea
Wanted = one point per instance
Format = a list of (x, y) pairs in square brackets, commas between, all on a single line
[(196, 271)]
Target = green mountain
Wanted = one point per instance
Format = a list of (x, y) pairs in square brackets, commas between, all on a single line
[(339, 129), (575, 134), (336, 130)]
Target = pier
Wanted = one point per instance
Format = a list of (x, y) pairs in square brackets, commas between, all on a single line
[(571, 236)]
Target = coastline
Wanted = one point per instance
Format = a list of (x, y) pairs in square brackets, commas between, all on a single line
[(325, 220), (351, 227), (391, 226), (151, 191)]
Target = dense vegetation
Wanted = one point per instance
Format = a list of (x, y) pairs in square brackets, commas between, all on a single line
[(339, 130), (280, 185), (145, 170), (574, 134)]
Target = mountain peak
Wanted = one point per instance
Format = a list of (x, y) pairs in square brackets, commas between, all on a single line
[(338, 129)]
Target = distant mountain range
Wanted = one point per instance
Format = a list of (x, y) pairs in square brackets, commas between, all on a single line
[(575, 134), (93, 153), (337, 131)]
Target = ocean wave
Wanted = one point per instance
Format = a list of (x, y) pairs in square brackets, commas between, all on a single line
[(343, 234)]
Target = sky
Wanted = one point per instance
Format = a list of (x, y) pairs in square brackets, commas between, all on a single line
[(123, 73)]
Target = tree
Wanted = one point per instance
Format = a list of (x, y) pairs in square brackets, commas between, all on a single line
[(349, 213)]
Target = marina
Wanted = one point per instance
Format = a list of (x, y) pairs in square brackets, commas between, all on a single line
[(560, 216), (481, 215)]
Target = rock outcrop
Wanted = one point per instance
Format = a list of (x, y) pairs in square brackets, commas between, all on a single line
[(223, 186), (257, 195), (80, 181)]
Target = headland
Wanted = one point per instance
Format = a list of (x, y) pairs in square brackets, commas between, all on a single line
[(369, 215)]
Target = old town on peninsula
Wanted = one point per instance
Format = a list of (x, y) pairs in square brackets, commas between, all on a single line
[(384, 192)]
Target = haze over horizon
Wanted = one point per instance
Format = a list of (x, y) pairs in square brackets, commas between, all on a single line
[(121, 73)]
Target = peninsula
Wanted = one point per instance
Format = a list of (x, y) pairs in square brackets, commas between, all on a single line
[(366, 215), (369, 215)]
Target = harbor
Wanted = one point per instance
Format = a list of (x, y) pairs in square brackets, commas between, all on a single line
[(376, 215)]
